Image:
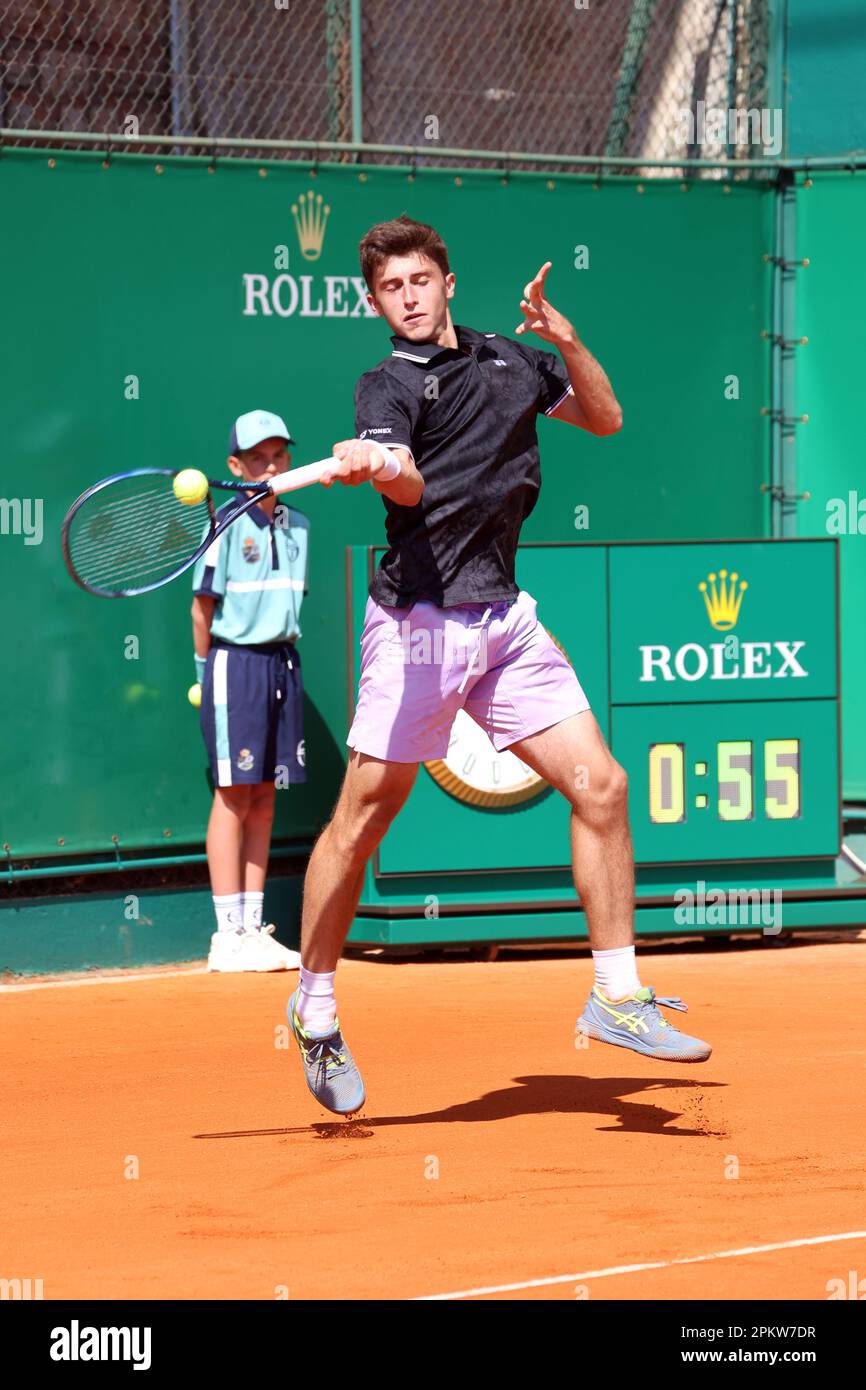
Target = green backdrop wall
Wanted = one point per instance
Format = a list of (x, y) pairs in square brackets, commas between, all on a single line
[(824, 62), (110, 273), (831, 308)]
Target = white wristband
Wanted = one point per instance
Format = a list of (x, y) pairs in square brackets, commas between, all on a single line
[(392, 467)]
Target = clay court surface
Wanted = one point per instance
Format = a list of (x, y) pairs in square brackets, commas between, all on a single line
[(554, 1163)]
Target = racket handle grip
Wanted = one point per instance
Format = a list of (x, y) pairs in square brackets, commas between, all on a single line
[(312, 472), (301, 477)]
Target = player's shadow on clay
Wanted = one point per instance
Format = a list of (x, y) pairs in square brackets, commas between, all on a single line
[(541, 1095), (564, 1095)]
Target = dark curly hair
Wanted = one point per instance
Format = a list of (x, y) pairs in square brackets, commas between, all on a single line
[(400, 237)]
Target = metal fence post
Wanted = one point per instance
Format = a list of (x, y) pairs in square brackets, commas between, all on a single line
[(357, 106)]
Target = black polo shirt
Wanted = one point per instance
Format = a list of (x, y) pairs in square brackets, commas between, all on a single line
[(468, 414)]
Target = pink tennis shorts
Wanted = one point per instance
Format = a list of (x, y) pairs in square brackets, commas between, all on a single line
[(421, 664)]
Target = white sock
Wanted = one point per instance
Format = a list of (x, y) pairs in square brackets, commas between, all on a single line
[(317, 1007), (253, 906), (616, 972), (229, 912)]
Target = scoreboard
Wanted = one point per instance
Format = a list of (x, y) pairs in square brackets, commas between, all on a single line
[(724, 698), (712, 669)]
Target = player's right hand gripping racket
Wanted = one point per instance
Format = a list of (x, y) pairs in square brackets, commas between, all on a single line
[(129, 533)]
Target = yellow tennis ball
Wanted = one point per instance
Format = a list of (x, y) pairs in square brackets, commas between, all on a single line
[(190, 486), (194, 695)]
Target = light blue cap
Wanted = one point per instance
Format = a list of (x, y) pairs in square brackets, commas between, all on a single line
[(250, 429)]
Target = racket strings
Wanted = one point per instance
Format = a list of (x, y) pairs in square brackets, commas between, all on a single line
[(130, 534), (105, 539), (132, 505)]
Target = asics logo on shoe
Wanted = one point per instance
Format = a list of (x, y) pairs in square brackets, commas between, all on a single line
[(632, 1021)]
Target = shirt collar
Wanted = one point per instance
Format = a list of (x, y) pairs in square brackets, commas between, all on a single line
[(422, 353), (259, 516)]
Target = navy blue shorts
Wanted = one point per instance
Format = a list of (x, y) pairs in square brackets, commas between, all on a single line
[(252, 714)]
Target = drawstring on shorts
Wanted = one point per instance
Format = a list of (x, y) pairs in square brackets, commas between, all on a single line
[(481, 626)]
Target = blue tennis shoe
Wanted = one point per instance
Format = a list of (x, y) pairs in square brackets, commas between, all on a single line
[(329, 1066), (636, 1022)]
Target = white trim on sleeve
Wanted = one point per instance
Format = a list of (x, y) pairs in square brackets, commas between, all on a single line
[(395, 444), (569, 391)]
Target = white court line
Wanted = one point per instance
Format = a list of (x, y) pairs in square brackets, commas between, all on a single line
[(105, 979), (638, 1269)]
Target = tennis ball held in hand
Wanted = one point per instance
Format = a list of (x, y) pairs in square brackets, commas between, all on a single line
[(190, 486), (194, 695)]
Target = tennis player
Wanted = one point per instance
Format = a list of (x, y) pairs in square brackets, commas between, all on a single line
[(459, 408), (248, 588)]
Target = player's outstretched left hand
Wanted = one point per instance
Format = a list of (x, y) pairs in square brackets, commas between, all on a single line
[(539, 315)]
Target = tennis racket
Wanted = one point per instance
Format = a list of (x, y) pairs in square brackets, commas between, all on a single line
[(129, 534)]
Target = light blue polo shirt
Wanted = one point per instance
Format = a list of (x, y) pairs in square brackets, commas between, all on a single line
[(258, 571)]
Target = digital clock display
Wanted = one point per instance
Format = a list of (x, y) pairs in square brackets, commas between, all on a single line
[(733, 788), (730, 781)]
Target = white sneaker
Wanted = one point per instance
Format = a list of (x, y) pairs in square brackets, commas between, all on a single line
[(237, 951), (291, 960)]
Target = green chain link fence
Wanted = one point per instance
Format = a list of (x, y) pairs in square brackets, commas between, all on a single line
[(607, 78)]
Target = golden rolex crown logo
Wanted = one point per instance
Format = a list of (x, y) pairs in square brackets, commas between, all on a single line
[(310, 221), (723, 598)]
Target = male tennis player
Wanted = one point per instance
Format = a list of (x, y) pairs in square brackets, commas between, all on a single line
[(458, 408), (248, 588)]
